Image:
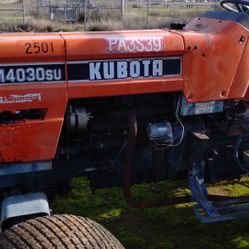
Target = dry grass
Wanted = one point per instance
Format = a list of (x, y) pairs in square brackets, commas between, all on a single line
[(103, 24), (10, 2), (135, 18)]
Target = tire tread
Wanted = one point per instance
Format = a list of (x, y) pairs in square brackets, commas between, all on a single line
[(58, 231)]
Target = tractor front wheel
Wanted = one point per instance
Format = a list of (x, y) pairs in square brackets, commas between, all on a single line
[(58, 231)]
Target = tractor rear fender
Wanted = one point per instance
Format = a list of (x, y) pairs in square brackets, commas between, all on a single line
[(215, 61)]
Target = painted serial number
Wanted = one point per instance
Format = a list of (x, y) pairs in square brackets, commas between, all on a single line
[(39, 48), (134, 44)]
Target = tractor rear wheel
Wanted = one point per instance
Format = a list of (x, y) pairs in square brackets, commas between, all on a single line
[(58, 231)]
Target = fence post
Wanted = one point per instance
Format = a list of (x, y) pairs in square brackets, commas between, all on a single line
[(148, 13), (122, 8), (23, 11), (85, 13)]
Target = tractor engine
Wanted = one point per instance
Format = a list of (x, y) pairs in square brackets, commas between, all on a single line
[(169, 132)]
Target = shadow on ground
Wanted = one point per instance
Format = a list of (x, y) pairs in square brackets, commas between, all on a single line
[(174, 227)]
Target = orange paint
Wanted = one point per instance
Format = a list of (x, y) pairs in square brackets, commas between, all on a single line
[(214, 67)]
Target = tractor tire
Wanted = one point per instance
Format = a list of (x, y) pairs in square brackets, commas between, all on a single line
[(58, 231)]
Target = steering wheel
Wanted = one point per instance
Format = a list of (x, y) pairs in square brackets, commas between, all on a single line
[(236, 5)]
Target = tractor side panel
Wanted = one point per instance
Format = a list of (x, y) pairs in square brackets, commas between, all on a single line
[(125, 62), (33, 96), (215, 60)]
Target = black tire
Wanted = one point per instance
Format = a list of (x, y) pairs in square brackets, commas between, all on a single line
[(58, 231)]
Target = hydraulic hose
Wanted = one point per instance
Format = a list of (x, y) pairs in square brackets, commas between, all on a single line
[(127, 172)]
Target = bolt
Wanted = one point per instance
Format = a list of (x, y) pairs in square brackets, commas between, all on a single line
[(242, 39)]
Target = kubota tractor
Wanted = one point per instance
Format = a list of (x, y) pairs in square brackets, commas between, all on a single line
[(121, 108)]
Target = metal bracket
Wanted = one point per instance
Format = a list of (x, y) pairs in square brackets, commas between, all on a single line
[(23, 205), (208, 211)]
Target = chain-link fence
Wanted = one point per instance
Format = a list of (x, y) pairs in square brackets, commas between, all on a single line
[(12, 10), (101, 14), (74, 10)]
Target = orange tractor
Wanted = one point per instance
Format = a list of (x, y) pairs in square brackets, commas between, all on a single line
[(121, 108)]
